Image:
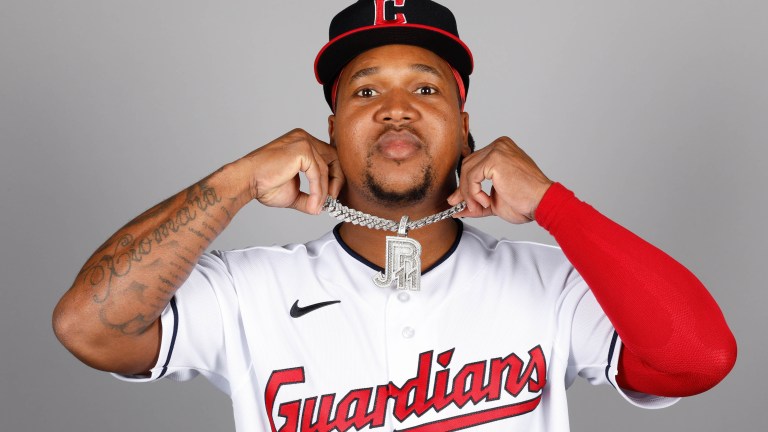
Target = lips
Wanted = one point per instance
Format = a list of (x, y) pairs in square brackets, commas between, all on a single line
[(398, 145)]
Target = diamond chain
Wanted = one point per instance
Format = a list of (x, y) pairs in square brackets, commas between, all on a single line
[(345, 214)]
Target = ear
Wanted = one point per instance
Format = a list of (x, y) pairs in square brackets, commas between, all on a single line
[(466, 149), (331, 124)]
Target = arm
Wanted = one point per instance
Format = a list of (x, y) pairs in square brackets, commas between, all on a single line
[(675, 339), (109, 317)]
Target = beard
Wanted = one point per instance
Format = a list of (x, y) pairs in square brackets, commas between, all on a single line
[(416, 193)]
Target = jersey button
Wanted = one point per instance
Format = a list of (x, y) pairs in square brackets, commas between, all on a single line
[(408, 332), (403, 297)]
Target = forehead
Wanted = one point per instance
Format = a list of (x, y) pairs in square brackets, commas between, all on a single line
[(391, 57)]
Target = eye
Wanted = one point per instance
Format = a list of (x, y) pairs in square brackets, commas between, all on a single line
[(366, 93), (426, 90)]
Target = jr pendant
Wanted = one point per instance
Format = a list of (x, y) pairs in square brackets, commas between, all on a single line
[(403, 261)]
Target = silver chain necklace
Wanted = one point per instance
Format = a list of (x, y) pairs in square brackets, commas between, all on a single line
[(403, 254)]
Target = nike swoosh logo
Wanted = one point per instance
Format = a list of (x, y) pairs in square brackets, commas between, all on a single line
[(298, 311)]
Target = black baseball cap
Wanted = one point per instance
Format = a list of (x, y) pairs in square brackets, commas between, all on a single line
[(369, 24)]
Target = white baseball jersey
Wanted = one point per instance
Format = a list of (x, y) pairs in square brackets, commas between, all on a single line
[(302, 340)]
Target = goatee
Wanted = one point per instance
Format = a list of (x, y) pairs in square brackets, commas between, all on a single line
[(403, 198)]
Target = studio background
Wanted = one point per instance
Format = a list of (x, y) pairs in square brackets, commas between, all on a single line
[(654, 112)]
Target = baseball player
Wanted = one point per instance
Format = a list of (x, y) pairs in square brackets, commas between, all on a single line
[(403, 317)]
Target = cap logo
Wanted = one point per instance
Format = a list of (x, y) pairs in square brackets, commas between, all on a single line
[(390, 12)]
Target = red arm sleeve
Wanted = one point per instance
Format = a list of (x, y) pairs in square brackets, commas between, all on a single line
[(675, 339)]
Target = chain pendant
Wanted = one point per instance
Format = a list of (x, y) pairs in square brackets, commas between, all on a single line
[(403, 254), (403, 261)]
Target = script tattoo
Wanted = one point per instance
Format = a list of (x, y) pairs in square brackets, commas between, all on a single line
[(108, 276)]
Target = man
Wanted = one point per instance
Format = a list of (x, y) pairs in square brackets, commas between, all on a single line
[(433, 327)]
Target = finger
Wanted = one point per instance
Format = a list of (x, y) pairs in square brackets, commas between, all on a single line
[(336, 178), (466, 168), (323, 168), (474, 184), (455, 197), (311, 169), (301, 203)]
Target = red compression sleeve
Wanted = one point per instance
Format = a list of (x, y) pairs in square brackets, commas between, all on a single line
[(676, 341)]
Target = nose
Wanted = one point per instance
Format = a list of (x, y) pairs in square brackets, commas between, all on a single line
[(397, 108)]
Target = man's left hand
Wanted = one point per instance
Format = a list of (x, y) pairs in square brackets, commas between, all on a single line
[(518, 185)]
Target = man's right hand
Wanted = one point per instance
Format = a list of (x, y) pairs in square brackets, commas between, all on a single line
[(276, 166)]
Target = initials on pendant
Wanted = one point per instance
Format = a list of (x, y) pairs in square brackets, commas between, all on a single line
[(403, 264)]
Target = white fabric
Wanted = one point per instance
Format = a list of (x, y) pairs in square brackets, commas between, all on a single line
[(492, 309)]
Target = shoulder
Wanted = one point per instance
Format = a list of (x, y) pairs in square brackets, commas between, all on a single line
[(490, 245), (529, 263), (254, 273), (309, 250)]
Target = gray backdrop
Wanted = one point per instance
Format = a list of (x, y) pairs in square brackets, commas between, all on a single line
[(652, 111)]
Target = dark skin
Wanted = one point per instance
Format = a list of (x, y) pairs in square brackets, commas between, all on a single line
[(397, 126)]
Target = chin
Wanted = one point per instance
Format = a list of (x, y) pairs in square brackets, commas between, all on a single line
[(399, 195)]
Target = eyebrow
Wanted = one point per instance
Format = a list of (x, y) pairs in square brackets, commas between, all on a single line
[(362, 73), (426, 68), (418, 67)]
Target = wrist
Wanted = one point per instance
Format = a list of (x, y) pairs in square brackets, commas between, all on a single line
[(542, 192), (552, 203), (234, 183)]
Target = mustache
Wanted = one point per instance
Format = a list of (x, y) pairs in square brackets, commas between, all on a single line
[(388, 128), (393, 128)]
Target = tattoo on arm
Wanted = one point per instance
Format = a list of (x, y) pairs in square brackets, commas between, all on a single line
[(109, 275)]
